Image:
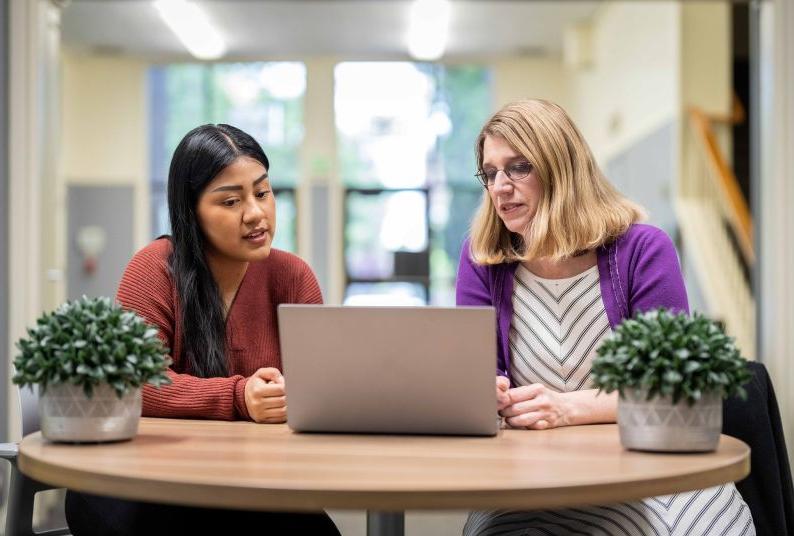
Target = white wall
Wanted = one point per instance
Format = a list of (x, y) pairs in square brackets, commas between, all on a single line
[(706, 66), (775, 218), (517, 78), (105, 132), (631, 89), (706, 75)]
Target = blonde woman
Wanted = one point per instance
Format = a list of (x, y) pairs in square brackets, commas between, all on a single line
[(559, 253)]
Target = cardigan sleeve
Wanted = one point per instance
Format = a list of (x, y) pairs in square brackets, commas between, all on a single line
[(657, 280), (147, 288), (471, 285)]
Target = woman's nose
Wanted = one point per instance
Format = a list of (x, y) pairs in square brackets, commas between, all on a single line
[(253, 212), (501, 184)]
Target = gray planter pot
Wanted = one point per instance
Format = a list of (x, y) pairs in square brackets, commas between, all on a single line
[(68, 415), (660, 425)]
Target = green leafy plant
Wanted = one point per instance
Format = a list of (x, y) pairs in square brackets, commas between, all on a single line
[(662, 353), (90, 341)]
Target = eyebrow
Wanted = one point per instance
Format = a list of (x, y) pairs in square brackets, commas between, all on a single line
[(238, 187), (510, 160)]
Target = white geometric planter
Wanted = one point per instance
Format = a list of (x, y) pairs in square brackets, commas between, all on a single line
[(660, 425), (66, 414)]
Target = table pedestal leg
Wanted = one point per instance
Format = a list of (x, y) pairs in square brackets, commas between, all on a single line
[(385, 523)]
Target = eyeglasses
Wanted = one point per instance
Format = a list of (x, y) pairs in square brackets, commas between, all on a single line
[(515, 172)]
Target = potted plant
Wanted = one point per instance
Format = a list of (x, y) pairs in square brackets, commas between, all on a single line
[(89, 359), (672, 372)]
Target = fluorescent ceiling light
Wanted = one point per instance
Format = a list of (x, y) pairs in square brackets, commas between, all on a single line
[(428, 29), (192, 26)]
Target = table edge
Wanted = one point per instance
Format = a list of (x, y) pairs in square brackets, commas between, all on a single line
[(253, 498)]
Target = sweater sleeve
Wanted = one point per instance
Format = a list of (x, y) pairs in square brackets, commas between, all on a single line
[(300, 287), (308, 290), (147, 288), (657, 280), (197, 398)]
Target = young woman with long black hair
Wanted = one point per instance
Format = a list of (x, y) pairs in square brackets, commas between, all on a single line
[(212, 289)]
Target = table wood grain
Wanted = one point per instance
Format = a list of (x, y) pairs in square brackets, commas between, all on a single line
[(262, 467)]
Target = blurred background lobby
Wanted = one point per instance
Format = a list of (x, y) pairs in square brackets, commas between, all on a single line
[(368, 112)]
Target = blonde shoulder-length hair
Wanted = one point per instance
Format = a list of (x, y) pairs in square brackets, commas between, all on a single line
[(578, 209)]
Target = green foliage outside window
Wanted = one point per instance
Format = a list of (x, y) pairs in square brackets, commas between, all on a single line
[(204, 93), (467, 91)]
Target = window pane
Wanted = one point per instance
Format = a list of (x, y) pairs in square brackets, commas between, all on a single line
[(379, 225), (409, 125), (467, 92), (266, 101), (387, 123)]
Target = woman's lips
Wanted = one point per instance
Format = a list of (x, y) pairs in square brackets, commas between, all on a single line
[(257, 237), (509, 208)]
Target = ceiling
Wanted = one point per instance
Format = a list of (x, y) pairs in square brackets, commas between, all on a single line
[(355, 29)]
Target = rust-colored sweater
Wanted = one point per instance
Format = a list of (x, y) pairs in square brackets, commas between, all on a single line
[(251, 329)]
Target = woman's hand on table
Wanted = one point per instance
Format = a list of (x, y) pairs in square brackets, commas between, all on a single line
[(264, 396), (533, 406)]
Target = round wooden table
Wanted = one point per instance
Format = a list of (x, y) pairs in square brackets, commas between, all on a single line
[(268, 467)]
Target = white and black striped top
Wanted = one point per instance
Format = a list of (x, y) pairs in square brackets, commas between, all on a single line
[(556, 328)]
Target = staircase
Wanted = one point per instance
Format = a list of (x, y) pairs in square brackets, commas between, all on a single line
[(716, 226)]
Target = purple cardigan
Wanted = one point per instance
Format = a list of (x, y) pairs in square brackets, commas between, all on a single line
[(638, 271)]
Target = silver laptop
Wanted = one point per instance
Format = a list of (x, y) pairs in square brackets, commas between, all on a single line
[(402, 370)]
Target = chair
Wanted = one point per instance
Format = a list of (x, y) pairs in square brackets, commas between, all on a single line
[(21, 489), (756, 421)]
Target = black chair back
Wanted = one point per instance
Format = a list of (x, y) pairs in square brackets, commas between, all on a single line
[(756, 421)]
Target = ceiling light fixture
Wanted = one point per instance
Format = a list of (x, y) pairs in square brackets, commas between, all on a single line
[(193, 27), (428, 29)]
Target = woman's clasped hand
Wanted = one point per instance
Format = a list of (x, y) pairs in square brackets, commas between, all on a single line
[(533, 406), (264, 396)]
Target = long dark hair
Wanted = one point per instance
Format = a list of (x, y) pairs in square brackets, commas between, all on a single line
[(203, 153)]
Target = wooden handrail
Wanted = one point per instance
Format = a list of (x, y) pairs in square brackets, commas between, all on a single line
[(738, 213), (737, 116)]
